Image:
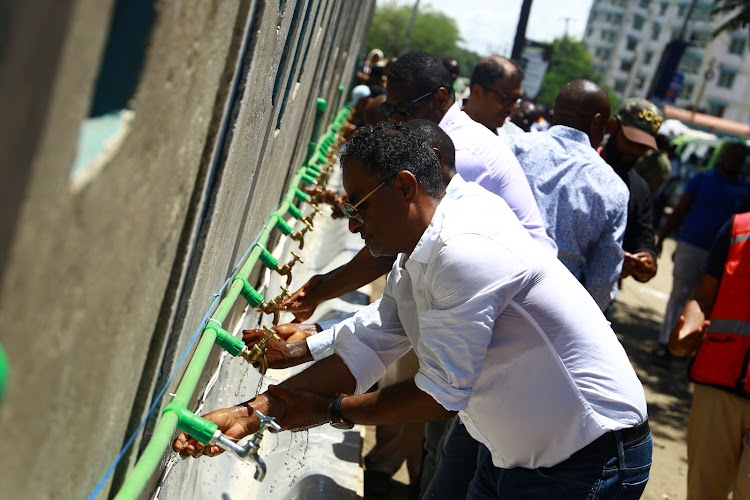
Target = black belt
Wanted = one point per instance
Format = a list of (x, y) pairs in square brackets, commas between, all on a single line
[(607, 443)]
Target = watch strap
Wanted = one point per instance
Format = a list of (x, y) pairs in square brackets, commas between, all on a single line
[(336, 409)]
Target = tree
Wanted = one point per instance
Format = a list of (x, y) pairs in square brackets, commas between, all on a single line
[(570, 60), (738, 12), (433, 32)]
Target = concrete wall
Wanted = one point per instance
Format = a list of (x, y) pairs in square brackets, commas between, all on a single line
[(103, 285)]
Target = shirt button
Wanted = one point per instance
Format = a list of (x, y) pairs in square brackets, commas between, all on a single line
[(419, 292)]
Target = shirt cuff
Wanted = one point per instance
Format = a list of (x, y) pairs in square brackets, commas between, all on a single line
[(321, 344), (363, 363)]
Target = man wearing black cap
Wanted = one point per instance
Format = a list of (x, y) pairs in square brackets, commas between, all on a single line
[(632, 132)]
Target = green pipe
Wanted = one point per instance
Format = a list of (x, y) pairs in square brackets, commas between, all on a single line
[(320, 108), (175, 415)]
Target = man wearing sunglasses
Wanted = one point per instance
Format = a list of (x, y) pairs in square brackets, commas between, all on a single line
[(537, 376), (419, 86), (495, 92)]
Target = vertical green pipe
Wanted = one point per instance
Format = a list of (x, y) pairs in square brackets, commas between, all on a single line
[(165, 427), (320, 108)]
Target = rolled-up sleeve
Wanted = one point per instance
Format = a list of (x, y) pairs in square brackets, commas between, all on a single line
[(371, 341), (473, 279)]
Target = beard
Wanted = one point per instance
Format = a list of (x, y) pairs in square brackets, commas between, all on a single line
[(614, 158)]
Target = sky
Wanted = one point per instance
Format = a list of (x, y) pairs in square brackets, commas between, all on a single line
[(489, 26)]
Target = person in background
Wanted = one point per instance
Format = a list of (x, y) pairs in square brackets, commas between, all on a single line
[(632, 132), (373, 58), (718, 441), (710, 198), (495, 90), (525, 115), (583, 202), (541, 124), (453, 67)]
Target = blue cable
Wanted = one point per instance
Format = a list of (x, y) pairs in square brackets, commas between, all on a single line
[(125, 448)]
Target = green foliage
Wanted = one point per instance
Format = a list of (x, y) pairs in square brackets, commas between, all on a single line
[(740, 15), (434, 32), (570, 60)]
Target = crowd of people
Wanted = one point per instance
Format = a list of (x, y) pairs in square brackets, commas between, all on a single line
[(505, 236)]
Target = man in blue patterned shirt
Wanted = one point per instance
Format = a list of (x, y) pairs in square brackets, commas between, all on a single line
[(583, 202)]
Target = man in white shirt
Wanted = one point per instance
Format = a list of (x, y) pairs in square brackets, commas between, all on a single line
[(495, 92), (505, 336)]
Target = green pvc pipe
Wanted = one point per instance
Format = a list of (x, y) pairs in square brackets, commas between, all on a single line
[(165, 428)]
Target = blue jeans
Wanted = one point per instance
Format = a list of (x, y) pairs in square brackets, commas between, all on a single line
[(458, 462), (620, 474)]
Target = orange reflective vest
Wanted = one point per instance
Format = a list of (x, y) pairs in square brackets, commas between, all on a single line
[(723, 359)]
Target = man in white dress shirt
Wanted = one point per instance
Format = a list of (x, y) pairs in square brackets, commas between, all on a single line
[(506, 337)]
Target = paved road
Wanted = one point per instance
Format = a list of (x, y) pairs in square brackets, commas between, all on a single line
[(639, 309)]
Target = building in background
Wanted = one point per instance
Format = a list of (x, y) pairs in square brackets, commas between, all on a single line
[(627, 38)]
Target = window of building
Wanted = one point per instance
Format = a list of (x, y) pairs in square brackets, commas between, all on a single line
[(626, 65), (737, 46), (687, 90), (640, 81), (647, 57), (589, 31), (663, 8), (726, 78), (689, 65), (655, 30), (638, 22), (716, 108), (619, 85), (632, 43), (644, 4), (682, 10), (699, 39)]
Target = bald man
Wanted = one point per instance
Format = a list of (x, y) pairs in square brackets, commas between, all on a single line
[(495, 89), (583, 202)]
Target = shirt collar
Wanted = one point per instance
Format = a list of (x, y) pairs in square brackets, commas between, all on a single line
[(423, 250), (451, 117), (570, 133)]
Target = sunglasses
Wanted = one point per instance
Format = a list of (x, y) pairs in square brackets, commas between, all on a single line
[(350, 211), (404, 108), (505, 99)]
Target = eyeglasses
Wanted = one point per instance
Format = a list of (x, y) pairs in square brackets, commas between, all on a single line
[(505, 99), (404, 108), (350, 211)]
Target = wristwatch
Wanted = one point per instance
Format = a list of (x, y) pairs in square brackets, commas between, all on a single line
[(337, 420)]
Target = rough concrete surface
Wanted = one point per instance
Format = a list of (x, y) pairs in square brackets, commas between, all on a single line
[(103, 287)]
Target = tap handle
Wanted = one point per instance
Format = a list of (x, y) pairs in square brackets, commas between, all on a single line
[(266, 422), (272, 334)]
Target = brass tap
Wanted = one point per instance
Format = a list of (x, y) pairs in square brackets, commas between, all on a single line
[(299, 236), (257, 354), (272, 306), (286, 269)]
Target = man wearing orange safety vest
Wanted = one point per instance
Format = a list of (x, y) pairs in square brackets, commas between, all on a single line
[(719, 427)]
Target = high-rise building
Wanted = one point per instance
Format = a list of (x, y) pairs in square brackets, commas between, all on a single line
[(627, 39)]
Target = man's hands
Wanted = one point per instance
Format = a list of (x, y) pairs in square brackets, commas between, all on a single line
[(684, 341), (302, 409), (303, 302), (236, 423), (640, 265), (294, 410), (290, 352)]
